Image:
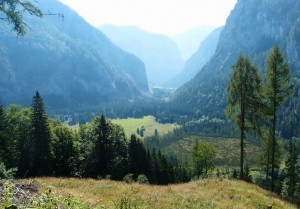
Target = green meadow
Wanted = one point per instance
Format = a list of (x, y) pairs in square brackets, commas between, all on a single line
[(131, 125)]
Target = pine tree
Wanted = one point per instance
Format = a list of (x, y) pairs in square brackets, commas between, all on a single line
[(20, 121), (8, 140), (3, 134), (103, 145), (119, 165), (137, 157), (64, 151), (291, 174), (277, 90), (41, 138), (244, 97)]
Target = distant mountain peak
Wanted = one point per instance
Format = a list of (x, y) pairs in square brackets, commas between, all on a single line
[(160, 54), (189, 41)]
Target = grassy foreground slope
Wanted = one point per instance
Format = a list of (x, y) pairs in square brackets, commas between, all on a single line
[(207, 193)]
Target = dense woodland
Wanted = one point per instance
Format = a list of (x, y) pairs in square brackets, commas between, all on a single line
[(36, 145)]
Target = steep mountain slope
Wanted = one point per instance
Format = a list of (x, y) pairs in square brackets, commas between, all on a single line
[(253, 28), (160, 54), (190, 40), (68, 61), (194, 64)]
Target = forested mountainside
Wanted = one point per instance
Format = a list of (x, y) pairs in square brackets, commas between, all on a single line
[(189, 41), (196, 62), (67, 60), (160, 54), (253, 28)]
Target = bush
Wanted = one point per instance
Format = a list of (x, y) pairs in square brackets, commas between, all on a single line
[(142, 179), (7, 174), (128, 178)]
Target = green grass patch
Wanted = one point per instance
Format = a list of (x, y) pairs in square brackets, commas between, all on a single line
[(131, 125)]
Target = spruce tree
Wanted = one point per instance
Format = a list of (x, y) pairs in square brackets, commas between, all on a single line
[(277, 90), (244, 98), (137, 157), (8, 140), (41, 138), (64, 150), (3, 134), (291, 174), (103, 145)]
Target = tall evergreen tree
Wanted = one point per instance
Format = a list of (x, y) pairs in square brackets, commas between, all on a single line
[(8, 140), (119, 166), (244, 97), (103, 145), (19, 119), (137, 157), (41, 138), (277, 90), (64, 150), (291, 173), (4, 137)]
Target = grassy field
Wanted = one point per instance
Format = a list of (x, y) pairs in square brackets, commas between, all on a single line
[(207, 193), (228, 149), (131, 125)]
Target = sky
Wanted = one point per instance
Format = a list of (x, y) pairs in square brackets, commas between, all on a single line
[(158, 16)]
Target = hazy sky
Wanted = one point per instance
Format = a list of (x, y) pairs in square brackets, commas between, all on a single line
[(158, 16)]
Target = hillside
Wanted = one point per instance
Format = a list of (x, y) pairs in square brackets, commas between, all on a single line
[(195, 63), (189, 41), (253, 28), (68, 61), (160, 54), (207, 193)]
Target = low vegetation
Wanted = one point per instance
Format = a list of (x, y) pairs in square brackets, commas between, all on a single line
[(207, 193)]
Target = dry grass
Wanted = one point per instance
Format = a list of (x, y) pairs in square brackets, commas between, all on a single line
[(208, 193)]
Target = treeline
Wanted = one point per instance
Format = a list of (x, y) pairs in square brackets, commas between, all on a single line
[(37, 145), (253, 104)]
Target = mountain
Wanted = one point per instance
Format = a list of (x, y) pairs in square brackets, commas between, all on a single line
[(68, 61), (190, 40), (194, 64), (253, 28), (160, 54)]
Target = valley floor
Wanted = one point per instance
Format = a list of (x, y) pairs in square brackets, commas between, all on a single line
[(207, 193)]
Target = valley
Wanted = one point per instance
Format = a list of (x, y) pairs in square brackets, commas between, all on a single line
[(122, 117)]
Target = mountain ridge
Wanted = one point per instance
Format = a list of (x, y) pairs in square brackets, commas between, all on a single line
[(69, 61), (252, 28), (195, 63), (160, 54)]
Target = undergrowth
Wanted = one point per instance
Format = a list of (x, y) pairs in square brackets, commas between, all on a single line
[(14, 196)]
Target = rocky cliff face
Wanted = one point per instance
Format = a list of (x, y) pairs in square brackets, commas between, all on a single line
[(68, 61), (253, 28)]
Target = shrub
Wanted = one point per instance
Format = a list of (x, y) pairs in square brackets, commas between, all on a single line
[(142, 179), (128, 178)]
